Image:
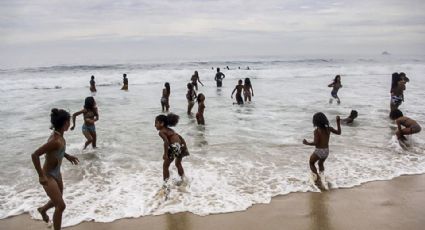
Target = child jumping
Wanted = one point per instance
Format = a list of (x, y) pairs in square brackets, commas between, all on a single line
[(174, 145), (50, 175), (411, 126), (321, 141), (336, 85)]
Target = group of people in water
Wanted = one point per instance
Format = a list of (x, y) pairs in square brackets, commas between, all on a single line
[(174, 145)]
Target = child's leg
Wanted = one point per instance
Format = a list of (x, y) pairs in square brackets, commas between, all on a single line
[(88, 137), (163, 106), (55, 194), (165, 171), (321, 165), (313, 159), (94, 136), (179, 167)]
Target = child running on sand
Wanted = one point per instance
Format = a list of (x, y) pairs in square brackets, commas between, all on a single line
[(50, 175), (201, 107), (321, 141), (90, 116), (190, 96), (336, 85), (174, 145), (248, 90), (165, 102), (238, 88), (411, 126)]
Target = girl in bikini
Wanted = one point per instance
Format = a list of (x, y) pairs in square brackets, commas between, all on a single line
[(174, 145), (90, 116), (321, 142), (49, 175)]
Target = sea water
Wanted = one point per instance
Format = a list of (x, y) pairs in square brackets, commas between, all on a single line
[(244, 155)]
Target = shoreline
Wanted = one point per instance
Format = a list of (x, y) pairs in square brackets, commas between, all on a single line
[(393, 204)]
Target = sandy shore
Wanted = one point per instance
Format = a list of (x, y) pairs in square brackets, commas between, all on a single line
[(395, 204)]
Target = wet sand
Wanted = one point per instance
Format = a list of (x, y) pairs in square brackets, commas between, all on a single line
[(395, 204)]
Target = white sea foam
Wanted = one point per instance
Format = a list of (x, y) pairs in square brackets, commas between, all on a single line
[(243, 156)]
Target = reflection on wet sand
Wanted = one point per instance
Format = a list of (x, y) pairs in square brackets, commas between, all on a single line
[(179, 221), (319, 213)]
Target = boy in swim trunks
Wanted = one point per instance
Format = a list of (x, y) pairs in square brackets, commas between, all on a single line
[(238, 89), (321, 142)]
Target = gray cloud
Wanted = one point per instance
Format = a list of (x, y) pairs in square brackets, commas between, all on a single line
[(199, 28)]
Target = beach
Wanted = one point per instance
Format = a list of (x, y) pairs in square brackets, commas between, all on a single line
[(393, 204)]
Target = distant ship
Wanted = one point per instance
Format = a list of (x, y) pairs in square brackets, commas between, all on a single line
[(385, 53)]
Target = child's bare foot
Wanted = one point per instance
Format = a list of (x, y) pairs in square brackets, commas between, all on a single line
[(43, 215)]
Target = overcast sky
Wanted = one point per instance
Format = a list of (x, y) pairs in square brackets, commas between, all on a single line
[(49, 32)]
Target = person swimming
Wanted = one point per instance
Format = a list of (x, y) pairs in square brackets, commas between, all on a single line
[(350, 119)]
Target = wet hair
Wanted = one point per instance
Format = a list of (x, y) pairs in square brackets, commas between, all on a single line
[(189, 86), (247, 81), (218, 69), (337, 77), (240, 81), (89, 103), (320, 120), (58, 118), (395, 78), (201, 95), (395, 114), (167, 86), (169, 120), (353, 114), (92, 77), (196, 73), (402, 74), (124, 75)]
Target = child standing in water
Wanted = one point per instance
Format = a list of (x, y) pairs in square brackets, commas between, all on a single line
[(336, 85), (248, 90), (201, 107), (321, 141), (238, 89), (124, 82), (90, 116), (195, 79), (50, 175), (92, 85), (219, 76), (190, 96), (165, 102), (411, 126), (174, 145)]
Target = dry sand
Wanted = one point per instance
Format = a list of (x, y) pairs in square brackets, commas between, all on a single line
[(396, 204)]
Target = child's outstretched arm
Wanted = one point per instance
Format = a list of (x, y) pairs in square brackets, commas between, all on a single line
[(338, 123), (316, 139), (331, 85), (233, 92), (75, 116)]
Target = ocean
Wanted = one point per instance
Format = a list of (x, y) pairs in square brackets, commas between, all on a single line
[(244, 155)]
